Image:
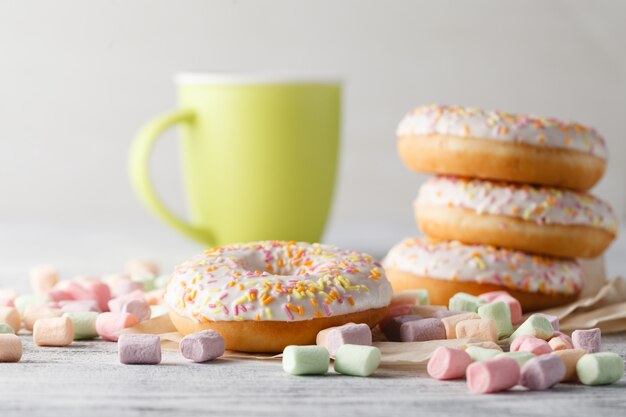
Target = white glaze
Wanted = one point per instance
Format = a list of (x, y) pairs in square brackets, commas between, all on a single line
[(542, 205), (495, 125), (305, 281), (455, 261)]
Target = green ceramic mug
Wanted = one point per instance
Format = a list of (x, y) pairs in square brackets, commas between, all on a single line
[(259, 156)]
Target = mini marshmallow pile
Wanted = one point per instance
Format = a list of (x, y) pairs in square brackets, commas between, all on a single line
[(59, 312), (349, 345), (539, 355)]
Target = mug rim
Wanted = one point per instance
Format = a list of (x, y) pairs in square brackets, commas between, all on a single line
[(215, 78)]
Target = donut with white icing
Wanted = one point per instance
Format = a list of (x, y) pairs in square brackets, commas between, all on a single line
[(472, 142), (263, 296), (448, 267), (541, 220)]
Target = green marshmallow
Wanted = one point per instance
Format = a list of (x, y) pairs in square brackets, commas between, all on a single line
[(25, 300), (535, 325), (462, 301), (357, 360), (478, 353), (600, 368), (157, 310), (306, 360), (520, 357), (5, 328), (84, 324), (501, 314), (148, 281), (423, 297), (161, 281)]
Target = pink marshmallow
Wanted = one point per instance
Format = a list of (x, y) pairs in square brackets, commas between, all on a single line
[(514, 306), (116, 304), (348, 334), (535, 346), (422, 330), (492, 375), (138, 308), (125, 286), (517, 342), (108, 325), (57, 295), (6, 302), (77, 291), (99, 292), (448, 363)]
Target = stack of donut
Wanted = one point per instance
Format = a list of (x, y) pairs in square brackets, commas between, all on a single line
[(507, 209)]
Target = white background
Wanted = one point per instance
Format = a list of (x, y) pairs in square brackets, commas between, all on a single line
[(78, 79)]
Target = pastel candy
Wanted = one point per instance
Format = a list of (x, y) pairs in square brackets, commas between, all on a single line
[(306, 360), (357, 360), (43, 278), (414, 297), (55, 331), (36, 312), (100, 292), (570, 358), (515, 306), (203, 346), (10, 348), (500, 313), (24, 300), (484, 345), (7, 302), (125, 286), (6, 329), (521, 357), (146, 279), (84, 324), (444, 312), (77, 290), (448, 363), (138, 308), (115, 305), (542, 372), (535, 346), (492, 375), (465, 302), (161, 281), (589, 340), (422, 330), (142, 266), (534, 325), (391, 328), (600, 368), (554, 320), (411, 310), (11, 316), (477, 329), (517, 342), (481, 354), (353, 334), (139, 349), (561, 343), (450, 322), (108, 325), (78, 306), (57, 295)]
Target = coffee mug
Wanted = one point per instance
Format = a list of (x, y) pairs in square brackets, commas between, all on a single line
[(259, 157)]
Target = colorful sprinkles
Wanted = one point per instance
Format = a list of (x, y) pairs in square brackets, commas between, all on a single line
[(542, 205), (455, 261), (496, 125), (277, 280)]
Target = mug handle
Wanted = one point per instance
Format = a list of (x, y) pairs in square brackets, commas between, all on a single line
[(139, 159)]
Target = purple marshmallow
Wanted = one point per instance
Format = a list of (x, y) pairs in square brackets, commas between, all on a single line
[(422, 330), (202, 346), (351, 334), (589, 340), (391, 327), (139, 349), (554, 320), (138, 308), (542, 372)]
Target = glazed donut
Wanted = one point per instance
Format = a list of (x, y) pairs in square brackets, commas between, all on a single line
[(264, 296), (447, 267), (541, 220), (501, 146)]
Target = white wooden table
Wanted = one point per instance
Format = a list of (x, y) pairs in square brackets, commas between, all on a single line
[(86, 379)]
